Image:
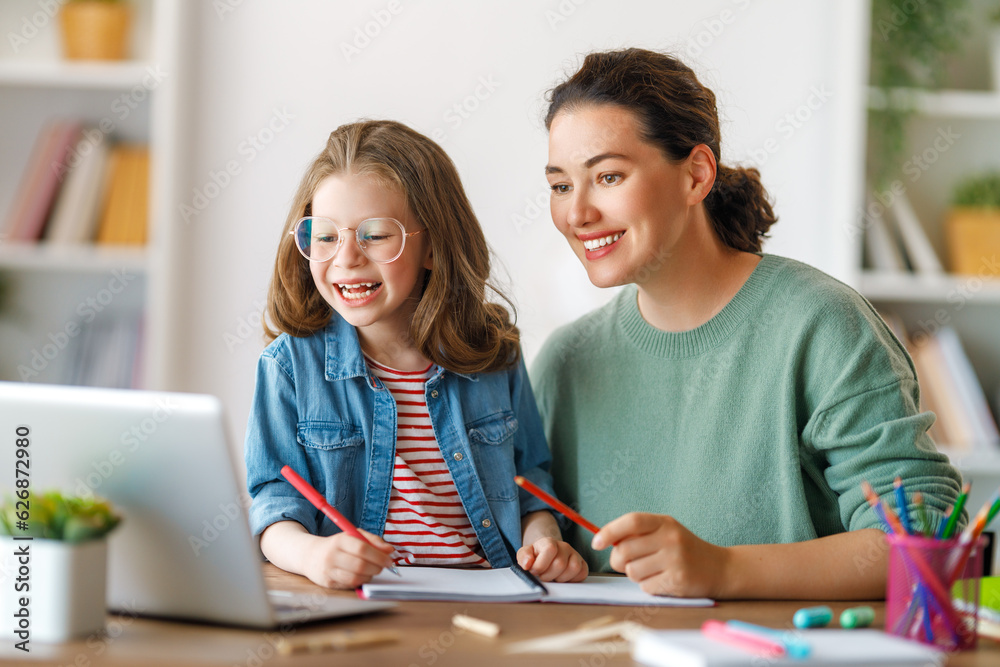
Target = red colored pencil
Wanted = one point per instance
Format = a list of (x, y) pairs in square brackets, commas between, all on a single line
[(314, 496), (555, 504)]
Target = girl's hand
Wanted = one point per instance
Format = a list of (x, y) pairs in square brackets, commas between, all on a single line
[(663, 556), (550, 559), (342, 561)]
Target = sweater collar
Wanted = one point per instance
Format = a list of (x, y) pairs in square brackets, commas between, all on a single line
[(677, 345)]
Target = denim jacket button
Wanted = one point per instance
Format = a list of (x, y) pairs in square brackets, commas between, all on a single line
[(434, 393), (487, 523), (458, 456)]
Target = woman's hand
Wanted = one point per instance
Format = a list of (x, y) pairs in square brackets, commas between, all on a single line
[(663, 556), (551, 559), (342, 561)]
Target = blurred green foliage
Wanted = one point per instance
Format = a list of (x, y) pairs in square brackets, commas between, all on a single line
[(978, 191), (910, 43), (53, 516)]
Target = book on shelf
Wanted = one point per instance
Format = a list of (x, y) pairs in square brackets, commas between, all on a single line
[(970, 392), (74, 216), (106, 353), (949, 388), (124, 219), (943, 390), (882, 250), (937, 430), (917, 246), (40, 181)]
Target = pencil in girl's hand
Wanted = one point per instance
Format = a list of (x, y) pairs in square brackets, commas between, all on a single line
[(555, 504), (318, 501)]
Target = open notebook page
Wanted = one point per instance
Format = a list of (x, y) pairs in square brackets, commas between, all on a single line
[(615, 590), (504, 585)]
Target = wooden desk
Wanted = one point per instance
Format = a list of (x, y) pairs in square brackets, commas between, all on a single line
[(426, 636)]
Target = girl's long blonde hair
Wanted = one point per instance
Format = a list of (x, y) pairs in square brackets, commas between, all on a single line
[(454, 325)]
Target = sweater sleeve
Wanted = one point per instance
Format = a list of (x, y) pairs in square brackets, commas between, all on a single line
[(868, 427)]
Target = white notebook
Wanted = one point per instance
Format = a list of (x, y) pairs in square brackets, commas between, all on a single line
[(512, 585), (874, 648)]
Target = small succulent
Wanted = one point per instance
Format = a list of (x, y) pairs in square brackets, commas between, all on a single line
[(53, 516)]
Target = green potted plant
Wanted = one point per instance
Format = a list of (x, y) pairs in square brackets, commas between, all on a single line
[(57, 545), (909, 48), (95, 29), (973, 227)]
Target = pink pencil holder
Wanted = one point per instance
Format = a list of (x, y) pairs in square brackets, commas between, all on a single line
[(930, 596)]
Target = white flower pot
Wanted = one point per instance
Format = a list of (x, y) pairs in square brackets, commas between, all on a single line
[(66, 589)]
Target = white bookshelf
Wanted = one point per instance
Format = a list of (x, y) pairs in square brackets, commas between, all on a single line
[(52, 288), (905, 287), (965, 124), (81, 76), (955, 104)]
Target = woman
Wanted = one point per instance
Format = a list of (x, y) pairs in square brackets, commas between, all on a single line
[(719, 415)]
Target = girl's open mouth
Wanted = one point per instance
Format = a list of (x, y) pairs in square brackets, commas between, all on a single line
[(357, 291)]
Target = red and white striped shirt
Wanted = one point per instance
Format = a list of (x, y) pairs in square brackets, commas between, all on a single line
[(426, 522)]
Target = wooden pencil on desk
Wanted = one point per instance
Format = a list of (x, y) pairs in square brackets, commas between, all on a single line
[(341, 640)]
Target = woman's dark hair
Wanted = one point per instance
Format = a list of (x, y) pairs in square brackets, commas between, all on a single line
[(676, 113)]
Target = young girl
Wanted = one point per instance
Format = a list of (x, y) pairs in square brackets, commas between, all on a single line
[(394, 387), (728, 403)]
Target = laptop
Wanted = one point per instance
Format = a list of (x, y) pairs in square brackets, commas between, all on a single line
[(183, 549)]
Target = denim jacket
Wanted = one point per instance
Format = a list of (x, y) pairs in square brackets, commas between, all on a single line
[(319, 409)]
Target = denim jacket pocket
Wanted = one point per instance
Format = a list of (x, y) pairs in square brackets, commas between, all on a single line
[(493, 451), (333, 448)]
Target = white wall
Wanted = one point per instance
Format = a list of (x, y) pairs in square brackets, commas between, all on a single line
[(285, 64)]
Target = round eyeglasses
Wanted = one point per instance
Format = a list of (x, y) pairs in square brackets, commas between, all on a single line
[(380, 239)]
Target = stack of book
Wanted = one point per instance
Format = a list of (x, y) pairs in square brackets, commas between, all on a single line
[(108, 353), (78, 187), (895, 239), (949, 387)]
